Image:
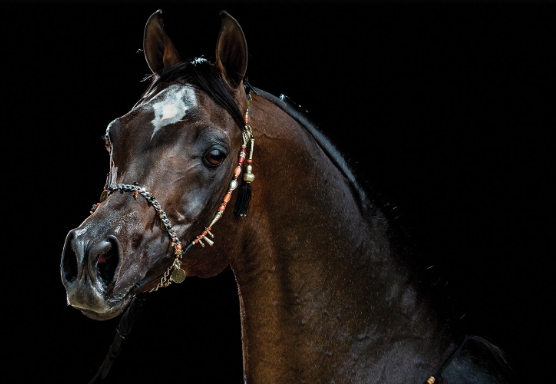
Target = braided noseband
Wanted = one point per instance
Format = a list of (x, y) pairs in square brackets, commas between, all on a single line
[(174, 273)]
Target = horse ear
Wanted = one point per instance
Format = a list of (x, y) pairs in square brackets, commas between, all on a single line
[(160, 52), (231, 50)]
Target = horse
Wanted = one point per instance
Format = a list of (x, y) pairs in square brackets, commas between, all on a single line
[(325, 292)]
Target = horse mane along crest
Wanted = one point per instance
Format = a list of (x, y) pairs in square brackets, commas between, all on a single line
[(295, 110)]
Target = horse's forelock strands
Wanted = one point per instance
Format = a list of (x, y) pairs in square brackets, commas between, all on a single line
[(324, 293)]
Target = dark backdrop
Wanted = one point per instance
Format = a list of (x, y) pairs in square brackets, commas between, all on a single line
[(443, 108)]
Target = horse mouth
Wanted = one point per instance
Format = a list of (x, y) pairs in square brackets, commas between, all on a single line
[(115, 310), (99, 281), (92, 285)]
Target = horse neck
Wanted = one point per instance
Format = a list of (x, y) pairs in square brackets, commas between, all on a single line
[(318, 281)]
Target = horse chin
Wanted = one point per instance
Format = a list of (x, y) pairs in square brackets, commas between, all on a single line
[(93, 303), (110, 314), (97, 304)]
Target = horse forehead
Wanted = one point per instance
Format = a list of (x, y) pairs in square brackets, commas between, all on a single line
[(171, 105), (168, 106)]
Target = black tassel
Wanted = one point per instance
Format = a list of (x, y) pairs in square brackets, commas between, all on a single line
[(243, 199)]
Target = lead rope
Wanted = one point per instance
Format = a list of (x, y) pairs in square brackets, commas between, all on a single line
[(436, 377), (174, 273), (122, 330)]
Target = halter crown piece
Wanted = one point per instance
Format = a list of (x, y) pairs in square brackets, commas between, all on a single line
[(174, 273)]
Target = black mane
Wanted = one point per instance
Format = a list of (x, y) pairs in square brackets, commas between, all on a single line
[(300, 115)]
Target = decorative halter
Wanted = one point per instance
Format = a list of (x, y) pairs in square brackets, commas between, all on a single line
[(174, 273)]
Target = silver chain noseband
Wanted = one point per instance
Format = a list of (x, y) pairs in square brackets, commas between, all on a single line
[(174, 273)]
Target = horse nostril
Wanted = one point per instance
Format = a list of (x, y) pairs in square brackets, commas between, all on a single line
[(69, 260), (107, 260), (97, 260)]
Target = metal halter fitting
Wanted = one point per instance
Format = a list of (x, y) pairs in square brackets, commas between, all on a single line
[(174, 273)]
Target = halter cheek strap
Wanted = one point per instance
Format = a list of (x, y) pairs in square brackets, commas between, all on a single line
[(174, 273)]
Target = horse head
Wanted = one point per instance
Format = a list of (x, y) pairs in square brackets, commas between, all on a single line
[(174, 165)]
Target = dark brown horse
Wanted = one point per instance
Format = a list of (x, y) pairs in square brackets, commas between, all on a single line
[(325, 294)]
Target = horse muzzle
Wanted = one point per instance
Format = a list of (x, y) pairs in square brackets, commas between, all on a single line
[(88, 270)]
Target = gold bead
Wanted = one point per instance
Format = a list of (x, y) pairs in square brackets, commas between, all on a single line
[(249, 177)]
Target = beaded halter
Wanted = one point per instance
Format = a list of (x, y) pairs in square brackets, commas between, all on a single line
[(174, 273)]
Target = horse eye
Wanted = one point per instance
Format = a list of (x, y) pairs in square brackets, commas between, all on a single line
[(214, 157)]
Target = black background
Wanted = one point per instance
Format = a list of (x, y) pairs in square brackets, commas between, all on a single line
[(444, 108)]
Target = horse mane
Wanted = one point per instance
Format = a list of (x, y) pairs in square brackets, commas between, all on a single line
[(498, 354), (372, 205), (380, 212), (299, 114)]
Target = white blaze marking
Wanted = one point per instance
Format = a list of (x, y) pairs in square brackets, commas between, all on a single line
[(169, 111), (171, 105)]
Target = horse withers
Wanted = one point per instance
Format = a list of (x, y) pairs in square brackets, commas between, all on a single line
[(207, 171)]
